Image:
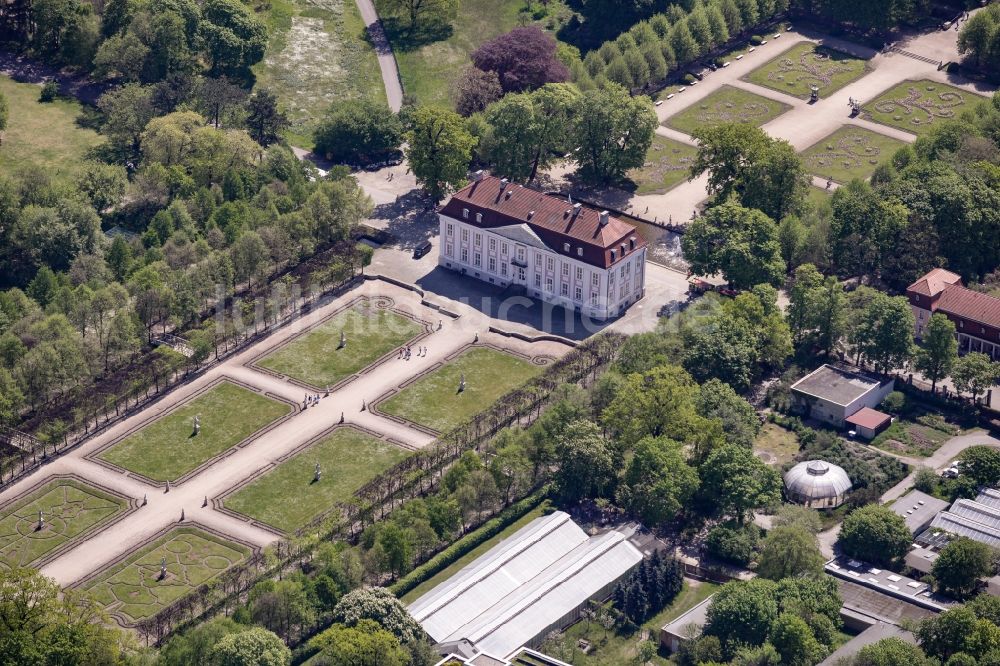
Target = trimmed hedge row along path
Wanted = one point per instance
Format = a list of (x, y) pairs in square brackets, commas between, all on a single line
[(161, 504)]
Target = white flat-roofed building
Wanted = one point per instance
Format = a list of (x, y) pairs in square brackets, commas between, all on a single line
[(832, 394), (529, 584), (560, 252)]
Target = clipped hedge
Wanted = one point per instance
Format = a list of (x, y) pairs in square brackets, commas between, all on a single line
[(486, 531)]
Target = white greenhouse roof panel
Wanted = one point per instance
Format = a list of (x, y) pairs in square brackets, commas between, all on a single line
[(525, 584)]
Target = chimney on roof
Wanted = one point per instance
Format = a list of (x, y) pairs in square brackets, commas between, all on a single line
[(604, 217), (503, 184), (477, 176), (576, 209), (507, 195), (531, 214)]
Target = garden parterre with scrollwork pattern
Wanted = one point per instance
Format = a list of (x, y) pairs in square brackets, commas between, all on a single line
[(206, 496), (769, 85)]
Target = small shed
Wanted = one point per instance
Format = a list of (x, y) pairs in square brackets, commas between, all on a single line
[(868, 422), (817, 484)]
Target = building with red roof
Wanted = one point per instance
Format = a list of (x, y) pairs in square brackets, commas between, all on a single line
[(976, 315), (559, 251), (868, 422)]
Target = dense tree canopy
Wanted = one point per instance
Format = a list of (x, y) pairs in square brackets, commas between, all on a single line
[(742, 160), (741, 243), (875, 534), (961, 564), (438, 149), (614, 130), (523, 59), (358, 132), (41, 626), (789, 551)]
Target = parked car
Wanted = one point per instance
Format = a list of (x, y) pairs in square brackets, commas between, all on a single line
[(422, 249)]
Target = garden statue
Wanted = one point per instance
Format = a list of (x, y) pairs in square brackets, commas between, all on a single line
[(182, 515), (342, 417), (197, 424), (363, 406), (318, 474), (343, 340), (145, 500), (41, 521), (477, 338), (163, 568), (461, 383), (813, 94)]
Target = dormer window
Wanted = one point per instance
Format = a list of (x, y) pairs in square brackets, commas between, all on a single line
[(623, 249), (479, 217), (612, 255), (465, 213), (565, 247), (579, 251)]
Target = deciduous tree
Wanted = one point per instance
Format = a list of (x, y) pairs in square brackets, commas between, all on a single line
[(937, 355), (736, 481), (523, 59), (739, 242), (789, 552), (875, 534), (358, 132), (961, 564), (614, 131), (974, 373), (658, 482), (439, 149), (253, 647)]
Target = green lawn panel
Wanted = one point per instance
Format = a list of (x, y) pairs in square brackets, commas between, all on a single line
[(133, 587), (434, 400), (668, 162), (287, 497), (727, 105), (167, 448), (69, 507), (317, 359), (850, 152), (805, 65), (916, 106)]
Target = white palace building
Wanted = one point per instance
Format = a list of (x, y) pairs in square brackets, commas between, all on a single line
[(560, 252)]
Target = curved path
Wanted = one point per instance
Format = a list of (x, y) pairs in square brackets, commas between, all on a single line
[(386, 59), (937, 460)]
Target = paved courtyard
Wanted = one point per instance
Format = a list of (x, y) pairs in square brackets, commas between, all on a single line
[(263, 450)]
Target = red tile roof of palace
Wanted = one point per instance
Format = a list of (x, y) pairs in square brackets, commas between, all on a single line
[(934, 282), (866, 417), (551, 218), (971, 305)]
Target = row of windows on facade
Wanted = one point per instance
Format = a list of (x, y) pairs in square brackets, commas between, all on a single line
[(623, 290), (595, 278), (961, 324), (478, 239), (624, 269)]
